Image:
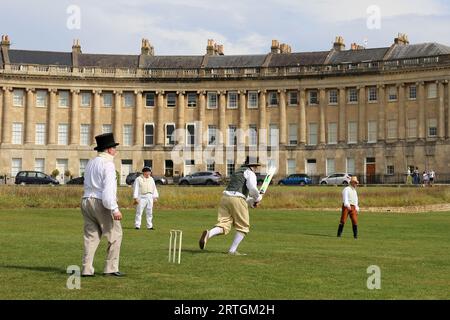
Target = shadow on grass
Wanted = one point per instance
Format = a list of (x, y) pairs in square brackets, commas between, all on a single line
[(198, 251), (39, 269), (318, 235)]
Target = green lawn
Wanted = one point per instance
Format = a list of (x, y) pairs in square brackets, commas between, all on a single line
[(291, 255)]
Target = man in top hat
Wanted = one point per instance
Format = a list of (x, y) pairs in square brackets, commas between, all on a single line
[(233, 208), (144, 194), (350, 207), (100, 209)]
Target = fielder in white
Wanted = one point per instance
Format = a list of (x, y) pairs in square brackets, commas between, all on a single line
[(144, 194)]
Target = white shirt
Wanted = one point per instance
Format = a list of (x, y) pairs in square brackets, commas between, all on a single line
[(144, 186), (350, 197), (251, 184), (100, 181)]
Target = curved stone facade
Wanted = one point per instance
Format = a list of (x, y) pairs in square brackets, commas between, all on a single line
[(364, 111)]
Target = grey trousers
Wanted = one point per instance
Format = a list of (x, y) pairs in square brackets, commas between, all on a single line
[(98, 222)]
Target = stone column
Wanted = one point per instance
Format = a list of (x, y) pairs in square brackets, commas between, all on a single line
[(283, 127), (181, 137), (262, 118), (421, 121), (242, 117), (222, 121), (201, 114), (382, 113), (441, 111), (29, 116), (362, 102), (117, 119), (448, 111), (138, 125), (401, 112), (1, 115), (7, 105), (51, 122), (95, 120), (160, 118), (74, 117), (342, 114), (302, 114), (322, 106)]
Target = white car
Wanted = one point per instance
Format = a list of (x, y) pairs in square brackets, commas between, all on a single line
[(337, 179)]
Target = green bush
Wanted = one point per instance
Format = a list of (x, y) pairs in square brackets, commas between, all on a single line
[(55, 173)]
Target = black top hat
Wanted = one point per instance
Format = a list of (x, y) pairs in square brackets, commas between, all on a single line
[(252, 161), (105, 141), (146, 169)]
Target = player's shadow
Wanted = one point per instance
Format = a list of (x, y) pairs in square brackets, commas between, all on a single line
[(198, 251), (39, 269), (318, 235)]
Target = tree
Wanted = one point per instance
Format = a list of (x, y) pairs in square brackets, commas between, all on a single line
[(55, 173)]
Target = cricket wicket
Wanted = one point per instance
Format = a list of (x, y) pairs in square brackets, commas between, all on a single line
[(174, 236)]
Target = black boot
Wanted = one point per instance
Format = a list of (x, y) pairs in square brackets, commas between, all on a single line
[(355, 232), (340, 228)]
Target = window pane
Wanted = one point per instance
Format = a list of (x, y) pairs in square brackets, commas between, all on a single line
[(149, 134), (150, 99), (170, 138), (63, 98)]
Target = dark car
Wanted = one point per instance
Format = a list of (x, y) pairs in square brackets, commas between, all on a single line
[(202, 178), (260, 178), (79, 180), (296, 179), (34, 177), (132, 176)]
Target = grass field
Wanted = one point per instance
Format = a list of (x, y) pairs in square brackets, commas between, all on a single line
[(292, 254), (176, 197)]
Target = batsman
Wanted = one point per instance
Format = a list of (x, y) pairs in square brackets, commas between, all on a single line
[(233, 207)]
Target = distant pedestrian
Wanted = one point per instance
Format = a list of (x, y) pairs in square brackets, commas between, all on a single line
[(431, 176), (416, 178), (408, 176), (425, 179)]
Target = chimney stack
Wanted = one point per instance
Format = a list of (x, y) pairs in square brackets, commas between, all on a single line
[(210, 48), (402, 39), (214, 49), (219, 50), (356, 46), (339, 44), (285, 48), (275, 48), (4, 47), (76, 46), (146, 48)]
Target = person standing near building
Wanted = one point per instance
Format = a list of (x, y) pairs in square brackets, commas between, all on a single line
[(144, 194), (100, 209), (233, 208), (350, 207), (431, 176)]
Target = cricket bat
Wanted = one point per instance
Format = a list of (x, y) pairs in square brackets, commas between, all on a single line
[(267, 179), (265, 185)]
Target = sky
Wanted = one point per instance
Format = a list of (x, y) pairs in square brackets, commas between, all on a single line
[(177, 27)]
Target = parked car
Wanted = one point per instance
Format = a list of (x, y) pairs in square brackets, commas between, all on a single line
[(132, 176), (296, 179), (78, 180), (260, 178), (34, 177), (202, 178), (337, 179)]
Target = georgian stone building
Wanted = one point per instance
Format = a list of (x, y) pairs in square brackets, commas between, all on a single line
[(364, 111)]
